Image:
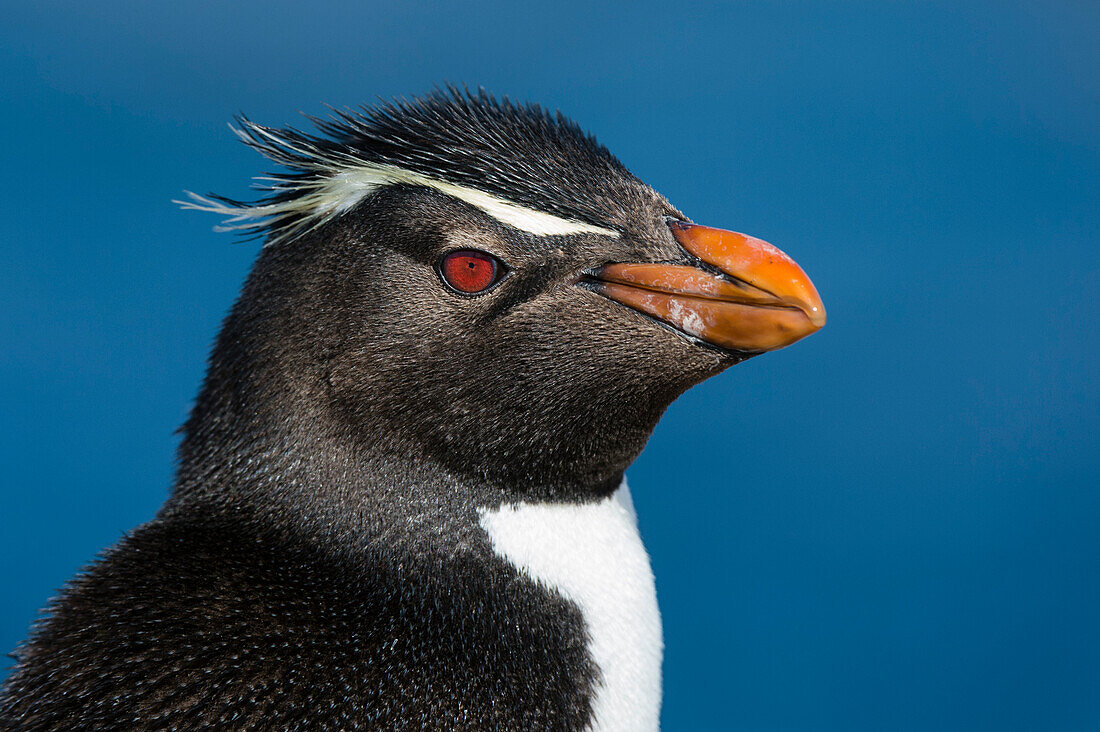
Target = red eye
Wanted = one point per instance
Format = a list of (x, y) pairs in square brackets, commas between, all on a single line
[(469, 271)]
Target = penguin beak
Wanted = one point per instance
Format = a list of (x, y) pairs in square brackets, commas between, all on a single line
[(748, 296)]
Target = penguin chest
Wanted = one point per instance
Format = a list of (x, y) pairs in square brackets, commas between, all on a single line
[(592, 555)]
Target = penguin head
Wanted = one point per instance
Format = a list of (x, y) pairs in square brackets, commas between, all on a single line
[(483, 286)]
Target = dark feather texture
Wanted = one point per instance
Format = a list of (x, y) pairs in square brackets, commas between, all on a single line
[(320, 563), (519, 153)]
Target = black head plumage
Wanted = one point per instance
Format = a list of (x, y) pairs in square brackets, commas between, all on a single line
[(518, 152)]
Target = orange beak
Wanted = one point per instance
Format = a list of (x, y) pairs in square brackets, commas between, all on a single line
[(752, 297)]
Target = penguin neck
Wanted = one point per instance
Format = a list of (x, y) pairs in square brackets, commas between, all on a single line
[(290, 472)]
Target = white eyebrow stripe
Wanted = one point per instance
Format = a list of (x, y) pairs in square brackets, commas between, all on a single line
[(521, 217), (319, 201)]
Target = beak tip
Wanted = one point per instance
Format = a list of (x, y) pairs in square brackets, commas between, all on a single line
[(816, 315)]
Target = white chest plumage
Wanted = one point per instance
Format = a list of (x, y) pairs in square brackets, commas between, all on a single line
[(593, 556)]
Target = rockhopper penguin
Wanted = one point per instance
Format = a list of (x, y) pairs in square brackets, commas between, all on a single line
[(400, 499)]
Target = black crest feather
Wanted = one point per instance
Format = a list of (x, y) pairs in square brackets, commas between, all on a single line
[(520, 153)]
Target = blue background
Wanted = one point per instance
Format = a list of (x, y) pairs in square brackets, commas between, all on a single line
[(890, 525)]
